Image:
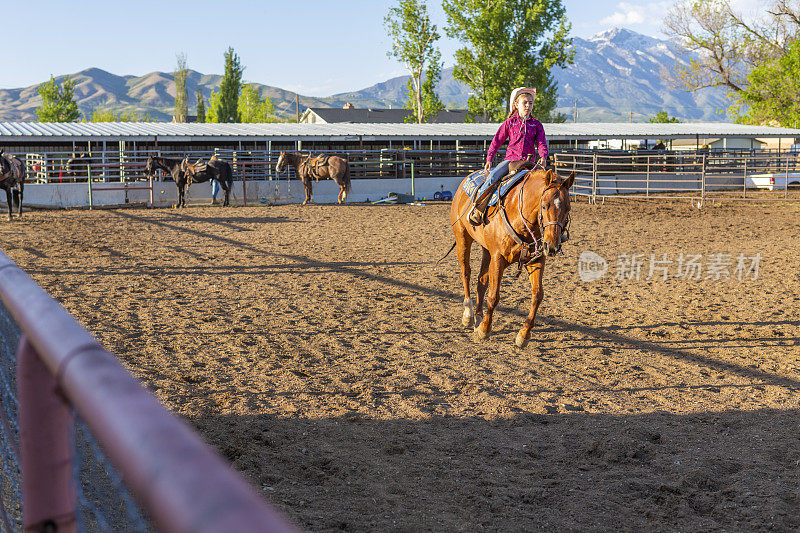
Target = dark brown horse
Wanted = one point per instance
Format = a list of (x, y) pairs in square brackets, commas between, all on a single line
[(527, 226), (12, 180), (199, 172), (172, 167), (319, 167)]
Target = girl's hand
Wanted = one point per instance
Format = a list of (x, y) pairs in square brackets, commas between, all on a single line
[(487, 167)]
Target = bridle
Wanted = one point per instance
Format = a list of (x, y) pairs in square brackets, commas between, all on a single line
[(531, 251)]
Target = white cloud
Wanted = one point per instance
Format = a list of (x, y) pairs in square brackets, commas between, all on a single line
[(628, 14)]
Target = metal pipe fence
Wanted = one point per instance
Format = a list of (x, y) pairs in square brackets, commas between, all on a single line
[(673, 174), (683, 175), (79, 432)]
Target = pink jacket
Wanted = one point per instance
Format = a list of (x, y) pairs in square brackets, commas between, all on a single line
[(523, 138)]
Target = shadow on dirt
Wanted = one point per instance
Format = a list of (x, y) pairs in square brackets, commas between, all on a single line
[(569, 472)]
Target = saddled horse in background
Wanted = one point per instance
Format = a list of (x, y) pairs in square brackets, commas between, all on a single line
[(319, 167), (199, 172), (526, 226), (12, 180)]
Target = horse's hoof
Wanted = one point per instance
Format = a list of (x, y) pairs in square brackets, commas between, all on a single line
[(480, 333), (521, 341)]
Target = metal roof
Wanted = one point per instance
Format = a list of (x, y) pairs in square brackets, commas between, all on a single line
[(335, 115), (166, 131)]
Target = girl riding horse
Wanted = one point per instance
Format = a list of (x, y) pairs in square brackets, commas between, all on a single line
[(525, 135)]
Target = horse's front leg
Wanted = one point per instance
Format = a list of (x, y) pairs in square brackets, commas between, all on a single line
[(483, 283), (184, 194), (535, 271), (9, 201)]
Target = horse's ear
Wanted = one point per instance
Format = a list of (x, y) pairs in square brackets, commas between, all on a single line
[(569, 181), (548, 177)]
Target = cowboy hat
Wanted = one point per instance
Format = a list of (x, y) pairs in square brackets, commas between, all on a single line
[(518, 91)]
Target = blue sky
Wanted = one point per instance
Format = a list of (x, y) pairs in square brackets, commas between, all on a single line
[(316, 48)]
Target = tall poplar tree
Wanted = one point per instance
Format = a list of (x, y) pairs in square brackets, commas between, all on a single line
[(201, 106), (413, 37), (58, 101), (229, 88), (508, 44), (181, 96)]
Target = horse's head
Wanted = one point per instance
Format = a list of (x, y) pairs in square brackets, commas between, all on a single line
[(150, 167), (554, 212), (281, 162)]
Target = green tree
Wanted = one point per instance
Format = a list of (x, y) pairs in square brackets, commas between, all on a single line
[(413, 37), (729, 46), (431, 103), (106, 115), (58, 101), (662, 117), (201, 106), (509, 43), (253, 107), (181, 96), (770, 96), (228, 110), (214, 104)]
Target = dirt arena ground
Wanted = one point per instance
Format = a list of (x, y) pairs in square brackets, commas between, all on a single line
[(321, 351)]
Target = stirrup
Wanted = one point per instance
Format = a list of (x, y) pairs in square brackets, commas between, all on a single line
[(475, 217)]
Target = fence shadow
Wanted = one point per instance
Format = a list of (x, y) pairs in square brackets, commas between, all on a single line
[(567, 472)]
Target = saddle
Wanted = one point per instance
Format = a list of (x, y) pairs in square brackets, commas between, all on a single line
[(316, 163), (200, 166), (478, 215)]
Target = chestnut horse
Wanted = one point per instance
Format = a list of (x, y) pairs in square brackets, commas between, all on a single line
[(319, 167), (12, 180), (527, 226)]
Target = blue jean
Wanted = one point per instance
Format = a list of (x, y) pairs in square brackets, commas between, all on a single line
[(214, 189), (494, 175)]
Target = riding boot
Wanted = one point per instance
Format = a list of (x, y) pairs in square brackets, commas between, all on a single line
[(476, 216)]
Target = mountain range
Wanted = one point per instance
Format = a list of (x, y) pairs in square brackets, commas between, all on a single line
[(617, 75)]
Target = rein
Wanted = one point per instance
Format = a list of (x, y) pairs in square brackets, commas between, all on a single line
[(532, 251)]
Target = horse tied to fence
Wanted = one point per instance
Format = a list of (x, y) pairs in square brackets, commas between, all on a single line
[(170, 166), (12, 180), (319, 167), (527, 225), (216, 169)]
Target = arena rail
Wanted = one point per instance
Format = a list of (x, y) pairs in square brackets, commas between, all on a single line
[(682, 175), (177, 478)]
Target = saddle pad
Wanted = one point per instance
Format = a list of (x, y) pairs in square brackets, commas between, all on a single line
[(475, 180)]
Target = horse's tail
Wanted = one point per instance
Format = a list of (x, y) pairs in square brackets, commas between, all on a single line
[(448, 253)]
